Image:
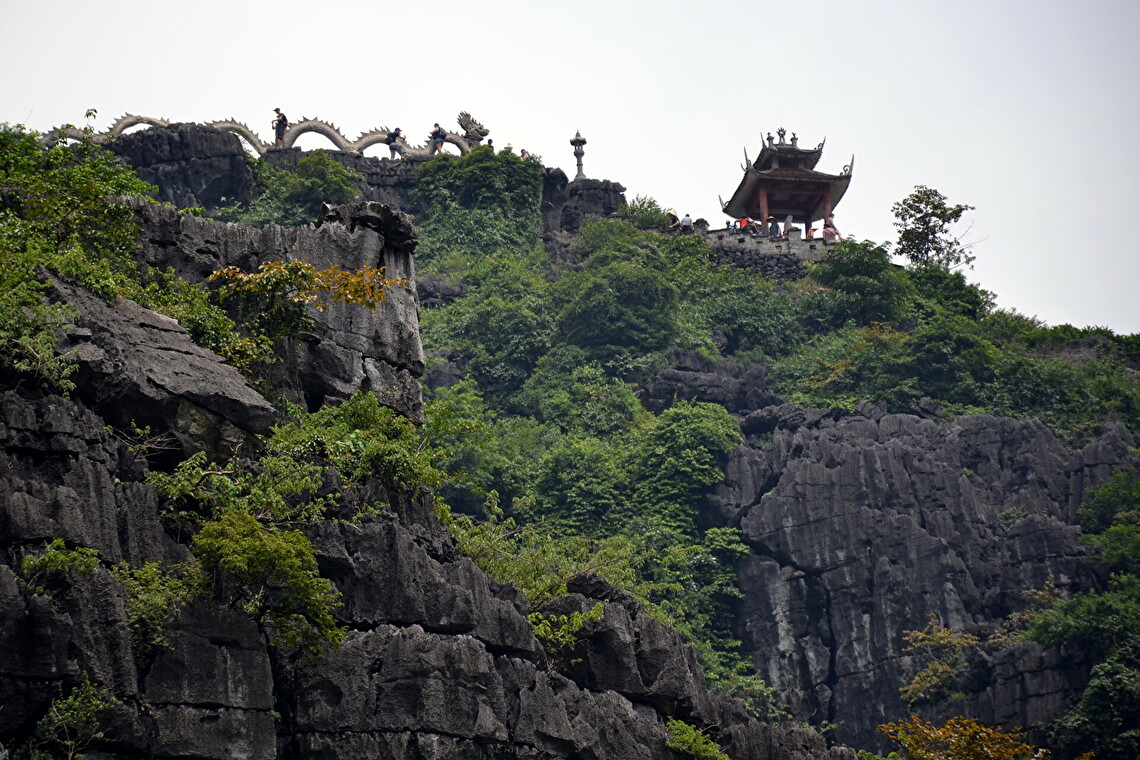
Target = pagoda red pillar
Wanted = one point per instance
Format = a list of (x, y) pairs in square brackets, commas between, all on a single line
[(763, 205)]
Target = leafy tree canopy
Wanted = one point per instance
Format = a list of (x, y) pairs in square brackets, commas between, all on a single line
[(923, 219)]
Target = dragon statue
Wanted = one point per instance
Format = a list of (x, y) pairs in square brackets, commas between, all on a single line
[(472, 135)]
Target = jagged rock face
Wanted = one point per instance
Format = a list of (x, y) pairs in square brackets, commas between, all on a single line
[(440, 662), (192, 164), (861, 526), (737, 387), (348, 347), (137, 367)]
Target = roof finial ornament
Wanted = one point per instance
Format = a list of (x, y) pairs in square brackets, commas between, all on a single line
[(771, 142), (781, 132), (794, 140)]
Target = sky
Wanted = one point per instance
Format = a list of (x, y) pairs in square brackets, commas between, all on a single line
[(1022, 109)]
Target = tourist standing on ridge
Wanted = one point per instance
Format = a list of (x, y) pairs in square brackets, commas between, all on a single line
[(394, 147), (280, 124), (437, 135), (686, 224), (773, 228), (830, 231)]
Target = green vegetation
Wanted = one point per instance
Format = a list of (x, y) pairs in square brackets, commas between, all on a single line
[(272, 575), (559, 634), (686, 738), (51, 569), (245, 516), (945, 650), (154, 598), (1105, 624), (72, 723), (923, 219), (292, 198), (58, 212)]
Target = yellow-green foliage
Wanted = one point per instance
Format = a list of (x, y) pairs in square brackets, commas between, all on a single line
[(559, 634), (960, 739), (71, 723), (272, 575), (947, 650), (539, 565), (683, 737)]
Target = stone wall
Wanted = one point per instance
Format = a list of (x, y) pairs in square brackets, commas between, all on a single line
[(780, 259)]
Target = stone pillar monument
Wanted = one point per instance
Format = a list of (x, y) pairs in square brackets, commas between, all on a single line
[(578, 142)]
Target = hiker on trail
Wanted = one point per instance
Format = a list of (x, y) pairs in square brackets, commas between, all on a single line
[(437, 135), (393, 141), (280, 124)]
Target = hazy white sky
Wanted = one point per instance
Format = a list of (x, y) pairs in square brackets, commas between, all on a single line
[(1020, 108)]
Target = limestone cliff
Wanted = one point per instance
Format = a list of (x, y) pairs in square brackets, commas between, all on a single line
[(861, 525), (440, 662)]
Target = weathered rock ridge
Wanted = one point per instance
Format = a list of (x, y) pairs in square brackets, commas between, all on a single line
[(348, 347), (860, 526), (440, 661)]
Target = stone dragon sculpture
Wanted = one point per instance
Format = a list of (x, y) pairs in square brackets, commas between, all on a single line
[(472, 135)]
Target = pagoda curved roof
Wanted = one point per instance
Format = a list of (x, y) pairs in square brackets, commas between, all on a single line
[(795, 191)]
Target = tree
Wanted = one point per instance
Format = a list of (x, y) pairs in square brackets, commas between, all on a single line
[(923, 219), (72, 722), (865, 286), (507, 187), (272, 575), (617, 309), (960, 739)]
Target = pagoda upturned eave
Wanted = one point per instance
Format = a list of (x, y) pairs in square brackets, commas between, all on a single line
[(804, 194)]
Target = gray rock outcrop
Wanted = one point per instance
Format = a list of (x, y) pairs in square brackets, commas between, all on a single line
[(191, 164), (139, 368), (440, 662), (348, 347), (860, 526)]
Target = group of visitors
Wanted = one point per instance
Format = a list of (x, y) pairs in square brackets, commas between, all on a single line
[(394, 140), (683, 224), (770, 228)]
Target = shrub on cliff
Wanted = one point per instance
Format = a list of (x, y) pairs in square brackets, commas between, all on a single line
[(479, 193), (57, 212), (292, 198)]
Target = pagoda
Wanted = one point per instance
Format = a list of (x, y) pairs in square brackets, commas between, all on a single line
[(783, 182)]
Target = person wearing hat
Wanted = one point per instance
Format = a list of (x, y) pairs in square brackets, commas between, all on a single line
[(280, 124), (394, 146), (773, 228)]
